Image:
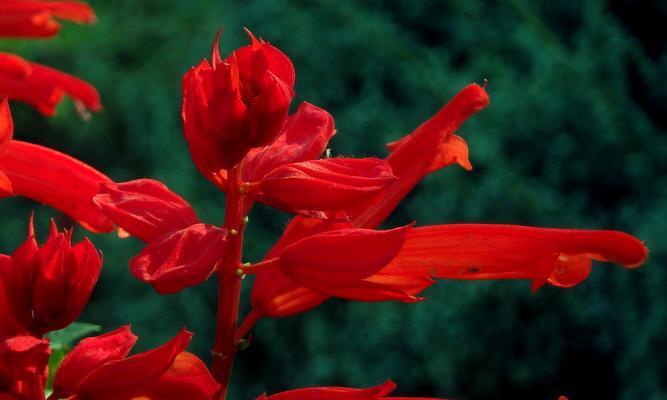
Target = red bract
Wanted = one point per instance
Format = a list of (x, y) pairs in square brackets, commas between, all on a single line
[(43, 88), (56, 179), (97, 369), (181, 259), (340, 393), (476, 251), (48, 286), (323, 185), (145, 208), (231, 106), (23, 361), (37, 18), (180, 251)]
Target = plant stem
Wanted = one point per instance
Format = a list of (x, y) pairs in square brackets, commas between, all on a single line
[(229, 284)]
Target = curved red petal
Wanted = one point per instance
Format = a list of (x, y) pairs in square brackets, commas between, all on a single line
[(145, 208), (90, 354), (180, 259), (58, 180), (187, 378), (335, 393)]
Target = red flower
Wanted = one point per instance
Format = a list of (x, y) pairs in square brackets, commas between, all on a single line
[(232, 106), (43, 87), (6, 133), (340, 393), (180, 251), (561, 257), (98, 368), (54, 178), (36, 18), (23, 362), (48, 286)]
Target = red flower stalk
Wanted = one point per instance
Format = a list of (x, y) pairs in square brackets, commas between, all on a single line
[(180, 251), (48, 286), (37, 18), (231, 106), (340, 393), (23, 362), (98, 368)]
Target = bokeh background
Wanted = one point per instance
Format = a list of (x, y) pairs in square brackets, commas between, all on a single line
[(574, 137)]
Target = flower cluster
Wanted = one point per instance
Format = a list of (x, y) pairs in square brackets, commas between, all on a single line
[(241, 138)]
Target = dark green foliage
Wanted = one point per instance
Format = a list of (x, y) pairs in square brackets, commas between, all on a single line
[(575, 136)]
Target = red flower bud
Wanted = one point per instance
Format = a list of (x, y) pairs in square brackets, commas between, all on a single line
[(232, 106), (180, 259), (48, 286), (36, 18), (561, 257), (23, 361), (145, 208), (97, 368), (336, 184)]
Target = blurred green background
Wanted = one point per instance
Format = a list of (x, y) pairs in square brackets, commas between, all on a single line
[(574, 137)]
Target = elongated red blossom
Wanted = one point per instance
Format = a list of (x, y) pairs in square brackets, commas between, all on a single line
[(37, 18), (6, 133), (231, 106), (340, 393), (98, 368), (48, 286)]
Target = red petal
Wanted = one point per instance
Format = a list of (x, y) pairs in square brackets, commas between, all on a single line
[(452, 150), (334, 393), (44, 87), (56, 179), (10, 326), (145, 208), (342, 256), (6, 125), (275, 295), (304, 137), (472, 251), (187, 378), (90, 354), (13, 66), (34, 18), (180, 259), (269, 111), (416, 154), (117, 379), (329, 185), (24, 357), (273, 59)]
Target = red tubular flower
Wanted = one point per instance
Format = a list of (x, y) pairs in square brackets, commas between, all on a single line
[(232, 106), (36, 18), (23, 362), (180, 251), (340, 393), (324, 185), (51, 177), (476, 251), (48, 286), (145, 208), (6, 133), (412, 158), (97, 368), (430, 147), (43, 88)]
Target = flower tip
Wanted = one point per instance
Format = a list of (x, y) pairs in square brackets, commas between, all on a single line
[(215, 51), (253, 40)]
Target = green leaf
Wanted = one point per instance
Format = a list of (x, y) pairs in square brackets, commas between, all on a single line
[(63, 338)]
